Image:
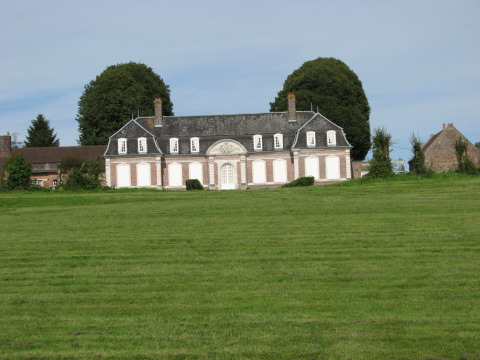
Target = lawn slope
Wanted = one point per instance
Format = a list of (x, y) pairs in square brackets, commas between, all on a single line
[(363, 270)]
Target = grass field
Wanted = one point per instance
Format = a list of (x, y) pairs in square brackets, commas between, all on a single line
[(361, 270)]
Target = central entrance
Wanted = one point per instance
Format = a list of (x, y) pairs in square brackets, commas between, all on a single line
[(227, 177)]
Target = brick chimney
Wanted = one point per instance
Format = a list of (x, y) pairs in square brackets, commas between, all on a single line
[(158, 112), (292, 113), (5, 145)]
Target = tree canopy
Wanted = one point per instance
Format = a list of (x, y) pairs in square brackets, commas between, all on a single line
[(330, 85), (109, 101), (40, 134)]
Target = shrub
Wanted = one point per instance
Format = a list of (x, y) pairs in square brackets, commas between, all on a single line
[(301, 181), (465, 163), (80, 174), (18, 174), (193, 184)]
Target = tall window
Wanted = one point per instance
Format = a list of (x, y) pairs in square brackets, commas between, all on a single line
[(331, 138), (194, 145), (174, 146), (278, 141), (257, 142), (142, 145), (259, 172), (311, 138), (122, 146)]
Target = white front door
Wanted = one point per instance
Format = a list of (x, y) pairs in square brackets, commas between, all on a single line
[(227, 177)]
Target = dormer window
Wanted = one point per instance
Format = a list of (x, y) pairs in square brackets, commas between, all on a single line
[(278, 141), (122, 146), (142, 145), (311, 138), (257, 142), (174, 146), (194, 145), (331, 138)]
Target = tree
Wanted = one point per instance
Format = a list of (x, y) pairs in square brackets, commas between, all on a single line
[(18, 173), (465, 164), (381, 164), (77, 173), (109, 101), (477, 144), (418, 155), (40, 134), (332, 86)]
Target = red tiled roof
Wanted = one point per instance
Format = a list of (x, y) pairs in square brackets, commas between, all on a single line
[(56, 154)]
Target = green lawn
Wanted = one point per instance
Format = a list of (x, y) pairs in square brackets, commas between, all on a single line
[(362, 270)]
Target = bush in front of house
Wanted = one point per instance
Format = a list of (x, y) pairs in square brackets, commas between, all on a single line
[(301, 181), (193, 184)]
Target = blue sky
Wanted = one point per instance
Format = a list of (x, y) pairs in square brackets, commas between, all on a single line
[(419, 61)]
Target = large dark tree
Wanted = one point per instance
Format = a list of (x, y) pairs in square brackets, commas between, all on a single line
[(330, 85), (40, 134), (109, 101)]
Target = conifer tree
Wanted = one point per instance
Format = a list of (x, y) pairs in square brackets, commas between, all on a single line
[(40, 134)]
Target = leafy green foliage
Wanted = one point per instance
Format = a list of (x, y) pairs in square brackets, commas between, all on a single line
[(332, 86), (40, 134), (381, 164), (80, 174), (465, 163), (19, 171), (301, 181), (419, 166), (109, 101), (477, 144), (193, 184)]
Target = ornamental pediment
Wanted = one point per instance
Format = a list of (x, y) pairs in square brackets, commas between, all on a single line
[(226, 147)]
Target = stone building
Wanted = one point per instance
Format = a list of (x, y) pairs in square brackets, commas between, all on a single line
[(227, 151), (440, 152)]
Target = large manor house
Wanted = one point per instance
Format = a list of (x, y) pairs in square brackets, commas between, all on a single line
[(227, 151)]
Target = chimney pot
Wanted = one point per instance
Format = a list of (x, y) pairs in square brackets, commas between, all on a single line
[(158, 121)]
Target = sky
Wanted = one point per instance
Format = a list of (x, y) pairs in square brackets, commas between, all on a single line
[(418, 60)]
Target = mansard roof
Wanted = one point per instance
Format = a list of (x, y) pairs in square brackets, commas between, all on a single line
[(211, 128)]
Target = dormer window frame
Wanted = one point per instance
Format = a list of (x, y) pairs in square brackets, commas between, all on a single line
[(142, 145), (173, 145), (122, 146), (311, 141), (278, 141), (257, 142), (194, 145), (331, 138)]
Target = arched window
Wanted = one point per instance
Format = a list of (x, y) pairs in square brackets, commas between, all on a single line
[(278, 141), (311, 138), (142, 145), (331, 138), (174, 146), (257, 142), (122, 146)]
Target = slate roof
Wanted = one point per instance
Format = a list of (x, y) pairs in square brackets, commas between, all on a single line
[(211, 128)]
